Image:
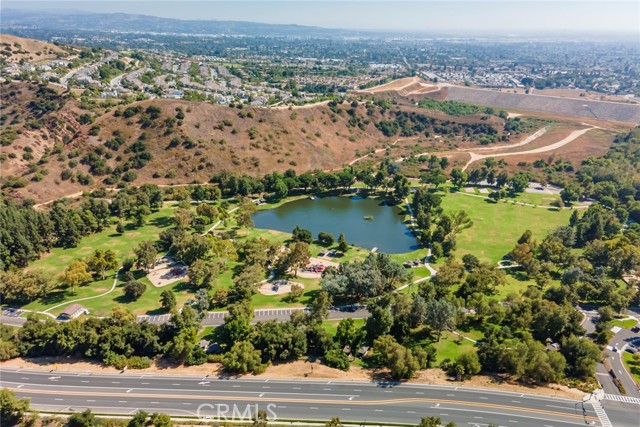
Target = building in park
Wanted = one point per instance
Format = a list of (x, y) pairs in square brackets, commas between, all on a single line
[(73, 311)]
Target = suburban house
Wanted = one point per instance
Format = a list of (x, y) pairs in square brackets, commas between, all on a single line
[(73, 311)]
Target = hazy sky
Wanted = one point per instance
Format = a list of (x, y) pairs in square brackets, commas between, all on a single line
[(419, 15)]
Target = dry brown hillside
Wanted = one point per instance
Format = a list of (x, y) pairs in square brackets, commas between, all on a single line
[(14, 49), (52, 147)]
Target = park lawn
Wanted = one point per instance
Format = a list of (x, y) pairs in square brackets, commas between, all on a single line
[(497, 226), (59, 258), (451, 346), (632, 366), (282, 301), (624, 323)]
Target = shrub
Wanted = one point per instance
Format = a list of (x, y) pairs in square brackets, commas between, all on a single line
[(337, 359)]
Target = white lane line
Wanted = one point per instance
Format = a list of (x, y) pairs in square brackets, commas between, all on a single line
[(313, 407)]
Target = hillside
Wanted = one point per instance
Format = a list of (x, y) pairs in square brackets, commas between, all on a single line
[(16, 49), (54, 144)]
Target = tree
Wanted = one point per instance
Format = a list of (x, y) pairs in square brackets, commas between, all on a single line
[(12, 409), (343, 246), (298, 256), (326, 239), (183, 218), (458, 177), (334, 422), (296, 292), (203, 274), (207, 211), (335, 358), (161, 420), (319, 308), (24, 286), (134, 289), (301, 235), (83, 419), (465, 366), (346, 332), (146, 254), (440, 315), (243, 358), (75, 275), (168, 300), (245, 211), (402, 363), (139, 419), (101, 261), (451, 273)]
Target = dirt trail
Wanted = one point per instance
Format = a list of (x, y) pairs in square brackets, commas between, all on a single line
[(568, 139)]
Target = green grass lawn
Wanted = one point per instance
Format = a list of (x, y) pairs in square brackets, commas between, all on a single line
[(59, 258), (451, 346), (624, 323), (632, 365), (497, 226)]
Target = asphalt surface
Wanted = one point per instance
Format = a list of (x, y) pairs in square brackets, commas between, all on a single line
[(614, 358), (217, 318), (303, 400)]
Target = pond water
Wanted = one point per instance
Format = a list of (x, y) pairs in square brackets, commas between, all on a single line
[(385, 231)]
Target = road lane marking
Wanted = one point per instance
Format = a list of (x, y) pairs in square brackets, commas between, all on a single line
[(329, 402)]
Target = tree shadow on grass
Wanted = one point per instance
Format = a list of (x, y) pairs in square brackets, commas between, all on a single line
[(54, 297), (162, 222)]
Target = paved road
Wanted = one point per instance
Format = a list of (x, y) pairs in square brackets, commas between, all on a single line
[(217, 318), (279, 314), (302, 400), (619, 340)]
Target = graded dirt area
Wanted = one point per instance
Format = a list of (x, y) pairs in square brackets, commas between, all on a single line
[(298, 369)]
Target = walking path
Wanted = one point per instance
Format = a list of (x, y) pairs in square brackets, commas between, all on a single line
[(115, 282), (432, 270), (379, 150), (523, 203), (569, 138)]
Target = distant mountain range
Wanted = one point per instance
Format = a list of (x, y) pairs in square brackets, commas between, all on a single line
[(22, 19)]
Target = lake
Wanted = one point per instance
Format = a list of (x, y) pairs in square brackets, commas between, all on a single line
[(336, 215)]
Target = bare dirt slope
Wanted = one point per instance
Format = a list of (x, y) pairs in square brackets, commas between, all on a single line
[(14, 49)]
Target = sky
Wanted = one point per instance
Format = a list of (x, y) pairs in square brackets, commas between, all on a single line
[(468, 16)]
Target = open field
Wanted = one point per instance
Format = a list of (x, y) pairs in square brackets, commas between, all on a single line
[(497, 226)]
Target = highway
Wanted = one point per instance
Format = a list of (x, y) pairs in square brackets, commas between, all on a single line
[(302, 400)]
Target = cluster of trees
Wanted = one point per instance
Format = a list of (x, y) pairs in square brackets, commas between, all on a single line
[(437, 229), (607, 256), (117, 340), (376, 275), (408, 124)]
